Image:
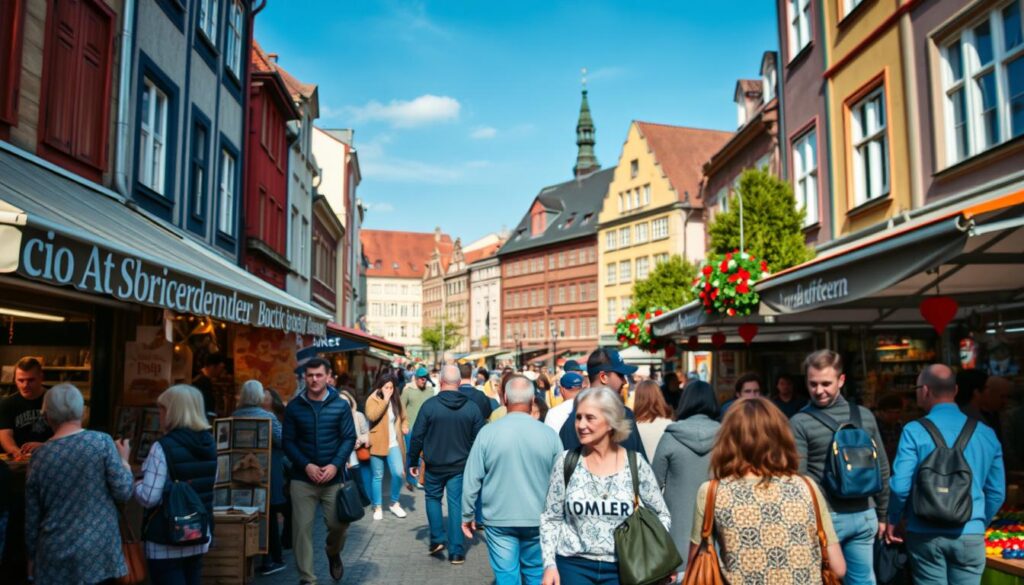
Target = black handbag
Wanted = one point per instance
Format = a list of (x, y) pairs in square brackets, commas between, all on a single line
[(348, 505), (645, 550)]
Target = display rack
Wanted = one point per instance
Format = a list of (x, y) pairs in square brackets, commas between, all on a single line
[(243, 448)]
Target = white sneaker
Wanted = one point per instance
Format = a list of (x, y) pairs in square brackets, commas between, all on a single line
[(378, 514), (397, 510)]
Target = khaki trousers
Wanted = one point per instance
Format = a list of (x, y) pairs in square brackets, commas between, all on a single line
[(305, 497)]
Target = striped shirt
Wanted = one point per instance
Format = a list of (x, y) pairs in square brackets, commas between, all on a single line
[(149, 493)]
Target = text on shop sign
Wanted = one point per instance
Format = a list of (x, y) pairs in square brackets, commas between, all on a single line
[(815, 292)]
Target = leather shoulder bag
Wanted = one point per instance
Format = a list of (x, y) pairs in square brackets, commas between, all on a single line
[(827, 576), (134, 555), (644, 548), (704, 568)]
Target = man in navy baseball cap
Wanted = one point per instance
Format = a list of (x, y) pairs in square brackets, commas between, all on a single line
[(606, 368), (572, 366)]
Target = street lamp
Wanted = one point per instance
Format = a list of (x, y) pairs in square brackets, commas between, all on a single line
[(519, 352), (554, 345)]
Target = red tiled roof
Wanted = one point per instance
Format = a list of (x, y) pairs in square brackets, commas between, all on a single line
[(682, 152), (259, 59), (410, 250), (483, 253), (261, 62)]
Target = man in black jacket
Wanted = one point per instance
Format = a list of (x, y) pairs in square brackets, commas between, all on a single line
[(445, 429), (318, 438), (475, 396)]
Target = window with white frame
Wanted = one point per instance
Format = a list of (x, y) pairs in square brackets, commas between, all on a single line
[(805, 175), (799, 26), (641, 232), (647, 195), (612, 310), (849, 5), (611, 273), (636, 198), (723, 199), (870, 146), (233, 56), (660, 258), (624, 237), (621, 203), (643, 266), (226, 193), (153, 137), (983, 82), (208, 10), (659, 229), (626, 302), (610, 239), (625, 271)]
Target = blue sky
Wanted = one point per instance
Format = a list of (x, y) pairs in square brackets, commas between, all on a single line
[(464, 110)]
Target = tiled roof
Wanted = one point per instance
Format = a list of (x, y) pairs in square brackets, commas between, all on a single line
[(296, 87), (682, 152), (572, 209), (483, 253), (409, 250), (259, 59)]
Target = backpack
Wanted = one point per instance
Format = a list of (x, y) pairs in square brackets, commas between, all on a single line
[(181, 519), (852, 470), (572, 457), (942, 487)]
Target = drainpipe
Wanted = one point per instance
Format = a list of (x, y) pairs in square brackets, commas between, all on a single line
[(123, 91)]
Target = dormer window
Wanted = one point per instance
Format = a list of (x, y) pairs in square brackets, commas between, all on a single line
[(741, 112), (768, 80)]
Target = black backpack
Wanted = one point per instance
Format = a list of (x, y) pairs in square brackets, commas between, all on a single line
[(181, 519), (852, 469), (942, 486)]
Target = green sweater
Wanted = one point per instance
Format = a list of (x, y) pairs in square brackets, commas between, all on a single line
[(413, 398)]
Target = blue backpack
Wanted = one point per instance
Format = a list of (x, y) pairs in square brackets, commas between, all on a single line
[(852, 470)]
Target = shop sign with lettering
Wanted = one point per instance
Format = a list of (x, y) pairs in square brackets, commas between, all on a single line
[(57, 259)]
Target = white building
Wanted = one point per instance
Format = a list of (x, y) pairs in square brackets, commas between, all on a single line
[(485, 303)]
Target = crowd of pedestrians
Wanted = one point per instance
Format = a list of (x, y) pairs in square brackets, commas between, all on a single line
[(784, 489)]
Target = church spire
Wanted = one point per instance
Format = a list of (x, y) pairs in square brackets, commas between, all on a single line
[(586, 161)]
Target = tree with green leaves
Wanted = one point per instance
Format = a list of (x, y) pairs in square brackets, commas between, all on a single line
[(772, 222), (434, 338), (669, 285)]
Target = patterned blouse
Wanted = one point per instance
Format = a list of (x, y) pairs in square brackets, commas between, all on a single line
[(767, 533), (579, 520), (70, 517)]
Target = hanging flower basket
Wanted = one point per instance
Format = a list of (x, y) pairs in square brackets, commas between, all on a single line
[(635, 330), (725, 285)]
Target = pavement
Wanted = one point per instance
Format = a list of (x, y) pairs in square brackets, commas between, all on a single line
[(391, 551)]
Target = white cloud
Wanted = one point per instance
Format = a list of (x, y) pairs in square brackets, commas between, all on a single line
[(394, 170), (426, 109), (606, 73), (329, 113), (483, 133), (382, 207)]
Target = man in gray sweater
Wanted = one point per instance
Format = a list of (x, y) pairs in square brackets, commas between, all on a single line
[(858, 522)]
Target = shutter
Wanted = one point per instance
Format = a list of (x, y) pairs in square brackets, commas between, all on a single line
[(62, 74), (93, 99)]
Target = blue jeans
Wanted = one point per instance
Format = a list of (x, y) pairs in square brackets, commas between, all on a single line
[(364, 475), (581, 571), (515, 555), (434, 487), (394, 461), (184, 571), (943, 560), (857, 532)]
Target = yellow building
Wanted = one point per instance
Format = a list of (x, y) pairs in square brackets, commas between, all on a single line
[(871, 160), (653, 209)]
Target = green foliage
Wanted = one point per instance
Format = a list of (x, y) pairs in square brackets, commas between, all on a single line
[(432, 337), (772, 224), (668, 285)]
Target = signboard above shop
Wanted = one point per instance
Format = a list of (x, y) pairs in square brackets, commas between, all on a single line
[(54, 258)]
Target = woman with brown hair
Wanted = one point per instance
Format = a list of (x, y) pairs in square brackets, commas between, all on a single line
[(387, 423), (764, 511), (653, 414)]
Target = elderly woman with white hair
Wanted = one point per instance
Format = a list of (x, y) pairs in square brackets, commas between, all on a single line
[(74, 483), (590, 493), (251, 399)]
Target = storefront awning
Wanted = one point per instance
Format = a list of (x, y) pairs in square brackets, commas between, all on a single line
[(64, 231), (973, 252), (360, 336)]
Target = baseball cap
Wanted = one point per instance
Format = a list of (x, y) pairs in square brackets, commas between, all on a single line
[(571, 380), (608, 360), (572, 366), (422, 372)]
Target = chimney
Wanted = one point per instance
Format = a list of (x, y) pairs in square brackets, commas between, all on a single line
[(437, 234), (272, 57)]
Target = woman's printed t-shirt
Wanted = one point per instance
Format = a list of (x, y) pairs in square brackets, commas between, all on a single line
[(581, 520), (767, 533)]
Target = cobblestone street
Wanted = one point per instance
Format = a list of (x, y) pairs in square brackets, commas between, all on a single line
[(392, 551)]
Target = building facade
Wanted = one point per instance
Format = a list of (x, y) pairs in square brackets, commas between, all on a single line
[(395, 264), (326, 261), (652, 210), (433, 282), (183, 151), (754, 145), (485, 303), (455, 300), (266, 167)]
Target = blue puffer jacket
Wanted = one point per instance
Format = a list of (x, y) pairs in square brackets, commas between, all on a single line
[(321, 435)]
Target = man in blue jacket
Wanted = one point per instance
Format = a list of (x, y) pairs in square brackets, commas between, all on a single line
[(318, 438), (952, 555), (444, 433)]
